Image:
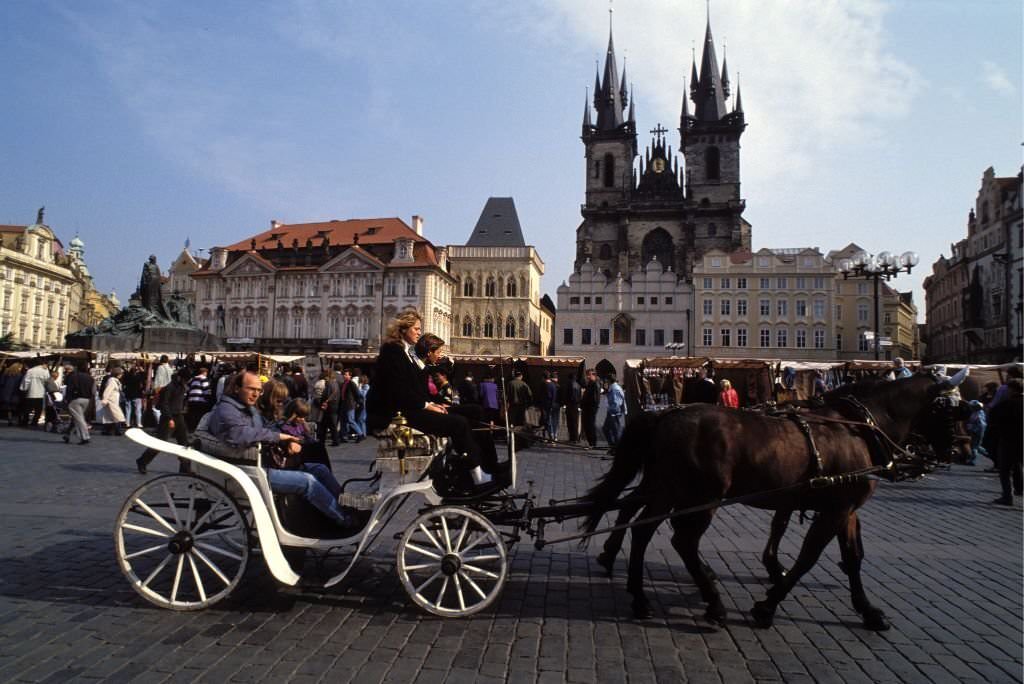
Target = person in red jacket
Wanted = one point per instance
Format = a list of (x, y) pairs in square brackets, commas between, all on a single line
[(728, 397)]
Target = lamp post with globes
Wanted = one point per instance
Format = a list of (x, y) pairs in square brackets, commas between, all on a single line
[(886, 265)]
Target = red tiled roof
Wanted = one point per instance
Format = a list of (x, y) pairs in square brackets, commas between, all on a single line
[(371, 231)]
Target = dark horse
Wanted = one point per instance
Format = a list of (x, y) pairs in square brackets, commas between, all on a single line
[(702, 454)]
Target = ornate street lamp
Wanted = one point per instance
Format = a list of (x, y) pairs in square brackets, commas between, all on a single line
[(886, 265)]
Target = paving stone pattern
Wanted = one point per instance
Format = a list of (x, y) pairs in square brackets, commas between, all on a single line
[(945, 564)]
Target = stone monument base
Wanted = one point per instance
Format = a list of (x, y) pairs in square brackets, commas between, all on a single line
[(151, 339)]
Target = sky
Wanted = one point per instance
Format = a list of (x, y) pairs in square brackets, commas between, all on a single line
[(142, 124)]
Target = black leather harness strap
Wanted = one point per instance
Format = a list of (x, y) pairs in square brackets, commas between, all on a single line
[(817, 465)]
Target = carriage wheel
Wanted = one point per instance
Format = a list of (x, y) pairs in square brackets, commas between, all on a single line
[(182, 542), (452, 561)]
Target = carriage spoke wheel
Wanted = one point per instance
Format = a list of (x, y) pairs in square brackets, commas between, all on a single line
[(452, 561), (182, 542)]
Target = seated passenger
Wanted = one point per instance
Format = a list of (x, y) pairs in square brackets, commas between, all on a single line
[(235, 421), (400, 385)]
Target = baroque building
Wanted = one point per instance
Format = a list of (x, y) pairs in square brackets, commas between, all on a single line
[(651, 218), (973, 300), (45, 292), (179, 276), (497, 305), (772, 303), (332, 285)]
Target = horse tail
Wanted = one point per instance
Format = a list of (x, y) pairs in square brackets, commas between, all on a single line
[(627, 463)]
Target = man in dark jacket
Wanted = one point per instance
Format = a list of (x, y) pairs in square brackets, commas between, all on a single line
[(590, 402), (1006, 420), (572, 394), (81, 393), (519, 397), (171, 404), (467, 391), (550, 406)]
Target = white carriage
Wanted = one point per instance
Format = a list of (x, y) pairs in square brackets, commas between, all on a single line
[(184, 541)]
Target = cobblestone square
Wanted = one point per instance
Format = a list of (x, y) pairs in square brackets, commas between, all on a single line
[(944, 563)]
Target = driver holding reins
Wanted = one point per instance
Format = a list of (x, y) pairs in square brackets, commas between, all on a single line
[(400, 385)]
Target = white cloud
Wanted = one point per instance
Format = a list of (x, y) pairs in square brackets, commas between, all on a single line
[(815, 76), (996, 78)]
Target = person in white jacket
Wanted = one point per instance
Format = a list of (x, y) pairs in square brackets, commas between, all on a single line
[(34, 387), (110, 413)]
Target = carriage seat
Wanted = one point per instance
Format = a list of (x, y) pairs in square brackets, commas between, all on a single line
[(404, 450)]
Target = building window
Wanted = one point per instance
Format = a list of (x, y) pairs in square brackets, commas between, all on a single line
[(410, 286), (801, 283), (598, 300), (585, 336), (641, 337), (819, 338), (766, 337), (782, 283), (621, 326), (467, 288), (862, 342), (766, 307), (726, 283), (862, 313), (659, 338), (574, 301), (609, 171), (712, 163), (725, 334), (839, 341), (801, 338), (839, 312), (781, 338), (801, 308), (586, 300), (741, 283), (489, 288), (819, 309), (782, 307), (603, 336), (510, 288), (567, 336), (654, 300), (296, 326), (510, 327), (706, 336), (862, 288), (716, 262), (709, 307), (726, 307), (488, 327), (668, 301), (819, 282), (741, 307), (766, 283), (707, 283), (639, 301), (741, 337), (390, 286)]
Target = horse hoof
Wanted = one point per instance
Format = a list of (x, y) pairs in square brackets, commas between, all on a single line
[(607, 562), (763, 614), (875, 621), (642, 611)]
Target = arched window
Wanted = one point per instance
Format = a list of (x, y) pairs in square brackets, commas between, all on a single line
[(489, 290), (712, 163), (488, 327), (510, 288), (510, 327), (609, 171), (606, 252), (467, 327), (622, 329), (467, 288), (657, 243)]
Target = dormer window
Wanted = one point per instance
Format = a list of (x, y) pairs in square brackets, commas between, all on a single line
[(404, 250)]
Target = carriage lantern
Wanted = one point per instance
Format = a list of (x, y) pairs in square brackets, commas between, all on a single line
[(885, 265)]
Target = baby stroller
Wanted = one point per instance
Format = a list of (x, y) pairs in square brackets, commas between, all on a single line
[(56, 408)]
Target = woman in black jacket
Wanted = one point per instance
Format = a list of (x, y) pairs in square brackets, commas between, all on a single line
[(400, 385)]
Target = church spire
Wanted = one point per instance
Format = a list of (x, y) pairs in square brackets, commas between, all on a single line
[(609, 100), (737, 107), (710, 93), (725, 74)]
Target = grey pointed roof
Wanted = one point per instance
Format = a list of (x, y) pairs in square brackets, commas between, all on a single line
[(608, 99), (710, 96), (498, 225)]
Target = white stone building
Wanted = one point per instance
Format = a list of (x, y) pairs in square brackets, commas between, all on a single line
[(334, 285)]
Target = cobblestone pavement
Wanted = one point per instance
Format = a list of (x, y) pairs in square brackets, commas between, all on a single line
[(944, 563)]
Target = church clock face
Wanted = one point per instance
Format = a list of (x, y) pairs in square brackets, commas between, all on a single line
[(658, 165)]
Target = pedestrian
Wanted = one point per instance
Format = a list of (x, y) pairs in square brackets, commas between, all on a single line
[(728, 396), (705, 391), (110, 401), (589, 404), (51, 399), (10, 392), (615, 416), (489, 399), (173, 403), (80, 394), (899, 369), (364, 390), (1006, 420), (33, 386), (161, 378), (976, 426), (467, 390), (329, 403), (200, 397), (820, 388), (350, 405), (572, 394), (519, 397), (300, 385), (445, 394), (134, 390), (550, 407)]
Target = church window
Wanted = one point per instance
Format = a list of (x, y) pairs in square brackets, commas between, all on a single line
[(712, 163), (510, 327), (606, 251), (597, 168), (609, 171), (467, 327), (488, 327), (510, 288), (712, 230), (467, 288), (489, 288), (657, 244)]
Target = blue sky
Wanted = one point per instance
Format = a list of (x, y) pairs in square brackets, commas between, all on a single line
[(141, 124)]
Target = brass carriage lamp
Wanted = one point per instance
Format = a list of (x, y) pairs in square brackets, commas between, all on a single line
[(402, 434)]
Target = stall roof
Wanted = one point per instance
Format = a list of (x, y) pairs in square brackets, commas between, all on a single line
[(42, 353), (235, 355), (528, 360)]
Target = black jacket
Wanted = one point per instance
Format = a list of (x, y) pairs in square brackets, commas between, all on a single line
[(591, 396), (398, 385), (80, 385)]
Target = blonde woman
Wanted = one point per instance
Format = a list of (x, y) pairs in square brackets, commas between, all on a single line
[(400, 385), (728, 397)]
